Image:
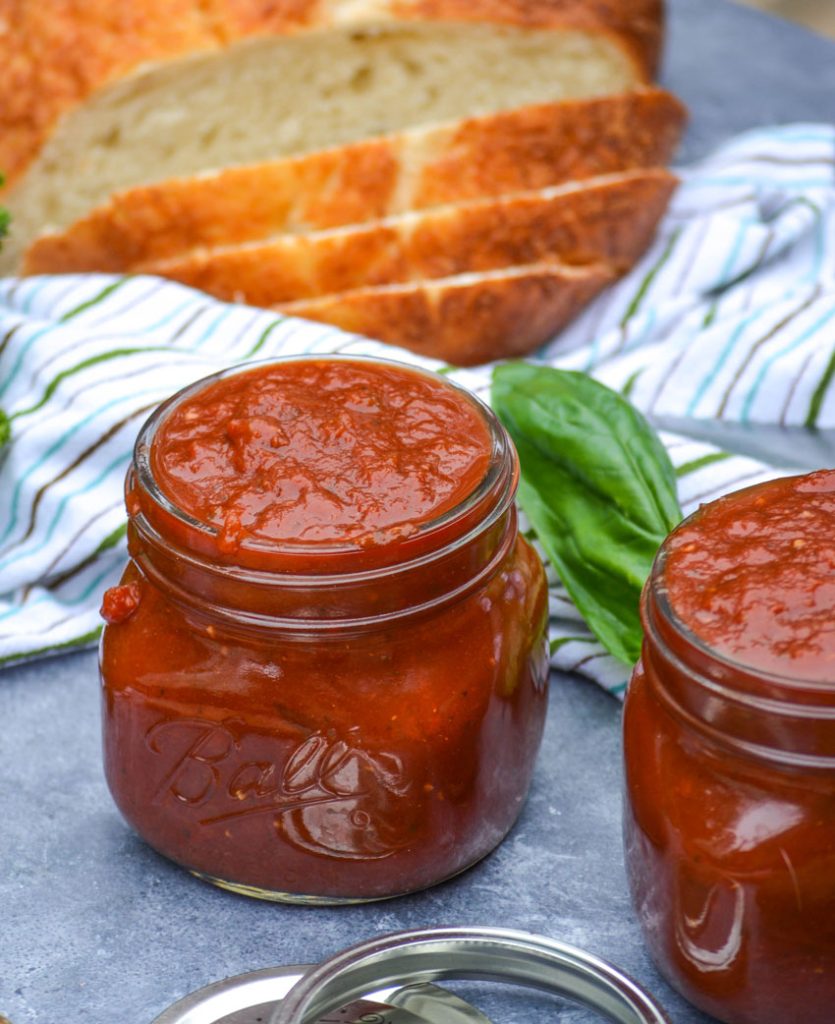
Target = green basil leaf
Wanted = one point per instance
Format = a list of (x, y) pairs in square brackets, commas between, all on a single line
[(597, 486), (4, 214)]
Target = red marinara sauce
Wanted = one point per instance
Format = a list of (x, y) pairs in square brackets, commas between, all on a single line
[(331, 686), (729, 747)]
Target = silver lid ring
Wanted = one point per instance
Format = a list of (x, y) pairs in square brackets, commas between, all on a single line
[(483, 954)]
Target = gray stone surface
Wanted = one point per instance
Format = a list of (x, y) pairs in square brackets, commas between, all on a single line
[(737, 68), (95, 928)]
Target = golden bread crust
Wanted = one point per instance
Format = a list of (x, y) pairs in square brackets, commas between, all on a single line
[(554, 143), (57, 53), (610, 221), (528, 148), (465, 320)]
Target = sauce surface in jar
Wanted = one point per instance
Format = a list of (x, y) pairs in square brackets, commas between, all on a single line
[(328, 682), (729, 741), (753, 577), (323, 452)]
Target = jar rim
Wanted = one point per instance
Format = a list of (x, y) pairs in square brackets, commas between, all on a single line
[(329, 578), (764, 716), (338, 626), (502, 466)]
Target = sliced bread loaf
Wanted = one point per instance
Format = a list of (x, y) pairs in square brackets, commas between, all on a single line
[(529, 148), (607, 220), (100, 96), (465, 319)]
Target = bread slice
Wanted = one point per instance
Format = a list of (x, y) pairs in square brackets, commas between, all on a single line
[(532, 147), (607, 220), (161, 82), (468, 318)]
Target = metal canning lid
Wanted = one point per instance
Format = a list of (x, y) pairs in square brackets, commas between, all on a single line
[(487, 954), (251, 998)]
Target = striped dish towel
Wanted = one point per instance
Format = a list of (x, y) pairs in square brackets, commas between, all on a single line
[(729, 320)]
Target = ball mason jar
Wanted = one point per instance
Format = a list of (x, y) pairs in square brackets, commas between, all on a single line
[(324, 721), (729, 747)]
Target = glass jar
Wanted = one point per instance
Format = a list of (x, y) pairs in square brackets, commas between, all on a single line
[(729, 746), (325, 722)]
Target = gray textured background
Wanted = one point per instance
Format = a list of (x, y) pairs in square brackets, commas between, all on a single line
[(95, 928)]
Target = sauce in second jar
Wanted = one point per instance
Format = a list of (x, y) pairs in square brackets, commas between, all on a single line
[(754, 577)]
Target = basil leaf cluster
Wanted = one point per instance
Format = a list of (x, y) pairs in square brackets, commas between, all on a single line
[(597, 486)]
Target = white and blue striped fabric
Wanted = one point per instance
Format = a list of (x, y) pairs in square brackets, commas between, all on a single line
[(728, 320)]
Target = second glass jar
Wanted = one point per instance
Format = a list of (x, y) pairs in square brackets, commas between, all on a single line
[(729, 744)]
